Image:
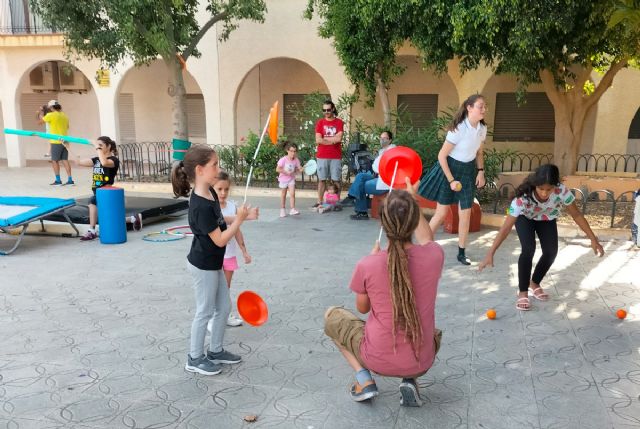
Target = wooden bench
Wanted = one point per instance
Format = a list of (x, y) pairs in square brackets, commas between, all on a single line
[(450, 223)]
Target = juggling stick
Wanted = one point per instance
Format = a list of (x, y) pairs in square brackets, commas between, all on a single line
[(255, 155), (49, 136), (393, 179)]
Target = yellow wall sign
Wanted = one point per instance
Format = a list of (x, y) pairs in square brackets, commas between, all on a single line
[(103, 77)]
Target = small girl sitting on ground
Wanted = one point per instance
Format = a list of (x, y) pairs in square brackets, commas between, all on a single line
[(105, 167), (538, 203), (288, 166), (398, 286), (330, 199)]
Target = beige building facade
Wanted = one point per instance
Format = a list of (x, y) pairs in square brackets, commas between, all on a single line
[(232, 85)]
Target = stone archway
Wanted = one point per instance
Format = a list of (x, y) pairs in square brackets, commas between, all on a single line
[(268, 81), (143, 106), (73, 89)]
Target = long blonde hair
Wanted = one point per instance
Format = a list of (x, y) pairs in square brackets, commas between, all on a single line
[(400, 215)]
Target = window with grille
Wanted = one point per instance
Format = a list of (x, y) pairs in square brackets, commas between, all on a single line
[(196, 117), (420, 109), (126, 118), (532, 121)]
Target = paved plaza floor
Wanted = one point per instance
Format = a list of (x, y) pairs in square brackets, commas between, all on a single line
[(96, 336)]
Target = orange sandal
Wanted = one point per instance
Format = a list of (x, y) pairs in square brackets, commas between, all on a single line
[(523, 304)]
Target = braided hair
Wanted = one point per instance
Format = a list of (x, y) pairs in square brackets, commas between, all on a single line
[(400, 216)]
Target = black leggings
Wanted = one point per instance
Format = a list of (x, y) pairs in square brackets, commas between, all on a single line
[(547, 231)]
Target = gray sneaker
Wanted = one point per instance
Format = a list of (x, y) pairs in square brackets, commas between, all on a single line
[(223, 357), (202, 365), (409, 396)]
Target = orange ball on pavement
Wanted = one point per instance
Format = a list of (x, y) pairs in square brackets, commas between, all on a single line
[(621, 314), (491, 313)]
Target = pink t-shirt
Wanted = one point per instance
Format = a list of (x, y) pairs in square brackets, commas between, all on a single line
[(289, 166), (371, 277), (331, 198)]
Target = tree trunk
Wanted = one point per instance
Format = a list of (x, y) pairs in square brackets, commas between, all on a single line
[(177, 91), (569, 115), (384, 101)]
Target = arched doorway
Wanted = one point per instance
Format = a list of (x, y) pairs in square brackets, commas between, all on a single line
[(287, 80), (64, 82), (633, 137), (143, 106)]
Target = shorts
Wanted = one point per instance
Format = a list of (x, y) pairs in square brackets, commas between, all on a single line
[(93, 199), (59, 152), (329, 167), (230, 264), (347, 329), (291, 183)]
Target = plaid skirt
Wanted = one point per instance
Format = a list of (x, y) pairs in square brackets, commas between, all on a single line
[(434, 185)]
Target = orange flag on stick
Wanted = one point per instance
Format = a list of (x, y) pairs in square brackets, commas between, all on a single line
[(273, 123)]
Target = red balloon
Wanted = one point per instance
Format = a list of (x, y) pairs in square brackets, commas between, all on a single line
[(252, 308), (409, 165)]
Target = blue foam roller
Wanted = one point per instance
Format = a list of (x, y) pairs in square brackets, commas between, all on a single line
[(113, 226)]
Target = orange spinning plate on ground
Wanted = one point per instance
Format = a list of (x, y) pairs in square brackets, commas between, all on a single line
[(409, 165), (252, 308)]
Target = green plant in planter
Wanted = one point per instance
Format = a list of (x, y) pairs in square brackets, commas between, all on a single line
[(267, 158)]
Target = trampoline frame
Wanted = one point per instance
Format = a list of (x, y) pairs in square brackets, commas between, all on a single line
[(25, 225)]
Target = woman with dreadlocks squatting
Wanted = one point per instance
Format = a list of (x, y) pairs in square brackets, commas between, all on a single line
[(398, 286)]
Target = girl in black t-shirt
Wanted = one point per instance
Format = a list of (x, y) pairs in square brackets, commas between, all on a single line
[(210, 236), (105, 167)]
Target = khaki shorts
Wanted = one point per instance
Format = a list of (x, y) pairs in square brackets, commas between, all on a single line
[(329, 167), (347, 330)]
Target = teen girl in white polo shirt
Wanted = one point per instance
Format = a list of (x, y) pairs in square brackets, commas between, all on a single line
[(460, 169)]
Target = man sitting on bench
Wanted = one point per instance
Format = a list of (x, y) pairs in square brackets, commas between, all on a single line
[(366, 184)]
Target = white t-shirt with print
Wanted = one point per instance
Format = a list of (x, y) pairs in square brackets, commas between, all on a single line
[(531, 208), (467, 140), (380, 185), (232, 245)]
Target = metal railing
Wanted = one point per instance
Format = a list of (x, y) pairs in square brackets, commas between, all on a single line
[(17, 18), (152, 161), (525, 161), (608, 162)]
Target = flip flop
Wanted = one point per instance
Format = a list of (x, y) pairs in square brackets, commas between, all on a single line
[(522, 302), (542, 296)]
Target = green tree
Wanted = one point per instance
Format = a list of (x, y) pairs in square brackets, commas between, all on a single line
[(557, 43), (144, 30), (366, 35)]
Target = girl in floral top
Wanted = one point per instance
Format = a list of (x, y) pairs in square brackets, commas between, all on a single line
[(538, 203)]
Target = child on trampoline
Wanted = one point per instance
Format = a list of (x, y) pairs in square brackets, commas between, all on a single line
[(105, 167)]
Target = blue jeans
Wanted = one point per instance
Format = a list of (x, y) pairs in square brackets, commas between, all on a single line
[(363, 185)]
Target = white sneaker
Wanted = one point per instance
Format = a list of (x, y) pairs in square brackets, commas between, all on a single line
[(233, 320), (283, 213), (210, 325), (294, 212)]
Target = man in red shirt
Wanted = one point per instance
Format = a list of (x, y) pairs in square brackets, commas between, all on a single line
[(329, 131)]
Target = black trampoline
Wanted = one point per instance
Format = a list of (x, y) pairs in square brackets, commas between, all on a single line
[(152, 209)]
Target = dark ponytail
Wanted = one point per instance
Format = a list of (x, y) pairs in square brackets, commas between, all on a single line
[(462, 112), (184, 173), (546, 174), (110, 144)]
